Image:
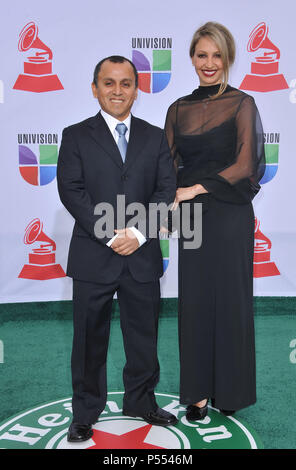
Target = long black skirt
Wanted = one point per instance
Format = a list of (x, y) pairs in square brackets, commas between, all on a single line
[(216, 323)]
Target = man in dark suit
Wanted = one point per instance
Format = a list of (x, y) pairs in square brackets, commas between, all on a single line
[(112, 154)]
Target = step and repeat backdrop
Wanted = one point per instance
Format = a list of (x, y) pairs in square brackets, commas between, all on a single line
[(48, 54)]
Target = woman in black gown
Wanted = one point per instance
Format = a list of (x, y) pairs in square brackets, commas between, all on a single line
[(216, 138)]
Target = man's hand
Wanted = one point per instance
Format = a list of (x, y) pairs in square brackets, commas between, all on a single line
[(126, 242)]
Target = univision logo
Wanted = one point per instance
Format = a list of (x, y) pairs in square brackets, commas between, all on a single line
[(154, 69), (38, 160), (271, 146), (165, 250)]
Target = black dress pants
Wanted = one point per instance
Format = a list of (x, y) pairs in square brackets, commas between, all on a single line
[(139, 309)]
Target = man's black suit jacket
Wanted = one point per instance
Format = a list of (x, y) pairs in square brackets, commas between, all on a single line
[(91, 171)]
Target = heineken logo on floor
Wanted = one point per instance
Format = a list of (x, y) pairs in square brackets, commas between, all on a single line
[(46, 426)]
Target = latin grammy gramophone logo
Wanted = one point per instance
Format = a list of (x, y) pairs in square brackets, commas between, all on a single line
[(37, 76), (262, 265), (265, 74), (42, 265)]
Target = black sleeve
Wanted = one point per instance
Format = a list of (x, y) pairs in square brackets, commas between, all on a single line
[(239, 182), (71, 185)]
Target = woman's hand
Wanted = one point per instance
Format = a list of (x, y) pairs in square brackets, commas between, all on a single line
[(185, 194)]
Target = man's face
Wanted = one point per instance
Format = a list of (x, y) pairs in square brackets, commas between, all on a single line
[(116, 89)]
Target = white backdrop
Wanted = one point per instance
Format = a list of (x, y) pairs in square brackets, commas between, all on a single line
[(79, 34)]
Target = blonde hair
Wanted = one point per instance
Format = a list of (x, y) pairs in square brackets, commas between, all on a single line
[(225, 43)]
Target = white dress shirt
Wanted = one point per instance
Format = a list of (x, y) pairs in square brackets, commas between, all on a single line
[(112, 123)]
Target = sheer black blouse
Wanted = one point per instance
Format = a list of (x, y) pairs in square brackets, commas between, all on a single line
[(217, 142)]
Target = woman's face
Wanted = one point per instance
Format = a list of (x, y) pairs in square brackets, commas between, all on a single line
[(208, 62)]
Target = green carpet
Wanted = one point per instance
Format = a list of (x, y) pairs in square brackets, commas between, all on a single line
[(37, 341)]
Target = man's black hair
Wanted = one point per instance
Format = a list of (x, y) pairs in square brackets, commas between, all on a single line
[(116, 59)]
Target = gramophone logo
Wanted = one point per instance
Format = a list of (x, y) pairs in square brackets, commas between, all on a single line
[(262, 265), (38, 160), (42, 265), (265, 74), (155, 70), (37, 76)]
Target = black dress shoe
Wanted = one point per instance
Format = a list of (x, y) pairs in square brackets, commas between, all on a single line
[(159, 417), (79, 432), (195, 413)]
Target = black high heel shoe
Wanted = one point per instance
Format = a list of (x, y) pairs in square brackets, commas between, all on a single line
[(227, 412), (196, 413), (224, 412)]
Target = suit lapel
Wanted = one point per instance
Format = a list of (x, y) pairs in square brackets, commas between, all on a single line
[(103, 137), (137, 141)]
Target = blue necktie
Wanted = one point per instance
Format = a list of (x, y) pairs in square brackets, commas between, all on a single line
[(122, 142)]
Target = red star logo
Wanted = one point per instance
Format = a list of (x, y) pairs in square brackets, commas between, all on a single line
[(129, 440)]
